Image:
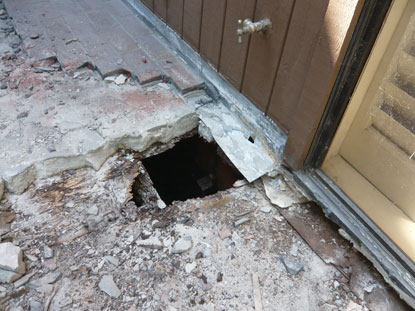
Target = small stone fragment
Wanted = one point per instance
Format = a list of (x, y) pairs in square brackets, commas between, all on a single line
[(219, 277), (199, 255), (109, 79), (241, 221), (11, 260), (50, 264), (22, 281), (182, 245), (45, 289), (240, 183), (108, 286), (35, 305), (112, 260), (266, 209), (292, 267), (22, 115), (161, 204), (32, 258), (49, 278), (34, 36), (120, 79), (188, 268), (47, 252), (294, 251), (8, 276), (152, 243), (225, 233), (205, 286), (93, 210), (160, 224)]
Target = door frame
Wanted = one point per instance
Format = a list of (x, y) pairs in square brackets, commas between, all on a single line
[(397, 269)]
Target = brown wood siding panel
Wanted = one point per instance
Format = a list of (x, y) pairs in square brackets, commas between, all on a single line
[(175, 15), (306, 23), (334, 37), (192, 18), (233, 55), (160, 8), (212, 30), (265, 51), (149, 4)]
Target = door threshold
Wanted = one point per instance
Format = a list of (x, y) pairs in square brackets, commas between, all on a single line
[(396, 268)]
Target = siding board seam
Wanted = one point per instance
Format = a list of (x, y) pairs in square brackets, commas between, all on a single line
[(248, 49), (223, 32), (280, 57)]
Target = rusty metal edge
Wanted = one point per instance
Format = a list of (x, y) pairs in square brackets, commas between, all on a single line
[(396, 268)]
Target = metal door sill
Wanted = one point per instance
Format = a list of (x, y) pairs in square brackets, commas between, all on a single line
[(397, 269)]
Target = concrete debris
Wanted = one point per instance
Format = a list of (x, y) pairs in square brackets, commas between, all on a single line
[(47, 252), (240, 183), (292, 267), (110, 79), (93, 210), (23, 280), (294, 251), (108, 286), (266, 209), (49, 278), (112, 260), (277, 196), (35, 305), (72, 151), (12, 265), (152, 243), (182, 245), (8, 276), (225, 233), (161, 204), (241, 221), (120, 79), (188, 268)]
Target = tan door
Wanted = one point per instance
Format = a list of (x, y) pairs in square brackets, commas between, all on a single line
[(373, 154)]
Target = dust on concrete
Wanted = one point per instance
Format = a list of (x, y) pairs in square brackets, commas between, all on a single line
[(78, 227)]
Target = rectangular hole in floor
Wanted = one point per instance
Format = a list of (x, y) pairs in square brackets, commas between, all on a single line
[(192, 168)]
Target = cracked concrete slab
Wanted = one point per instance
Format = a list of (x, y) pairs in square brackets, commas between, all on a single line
[(81, 124)]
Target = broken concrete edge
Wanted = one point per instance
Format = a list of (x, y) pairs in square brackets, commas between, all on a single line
[(395, 268), (18, 179), (216, 86)]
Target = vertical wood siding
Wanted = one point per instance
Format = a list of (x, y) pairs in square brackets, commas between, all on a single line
[(287, 73), (265, 51), (212, 30), (192, 20), (175, 15), (149, 3), (233, 55), (160, 8), (306, 23)]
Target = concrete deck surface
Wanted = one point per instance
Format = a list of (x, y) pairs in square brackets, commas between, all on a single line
[(85, 89)]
